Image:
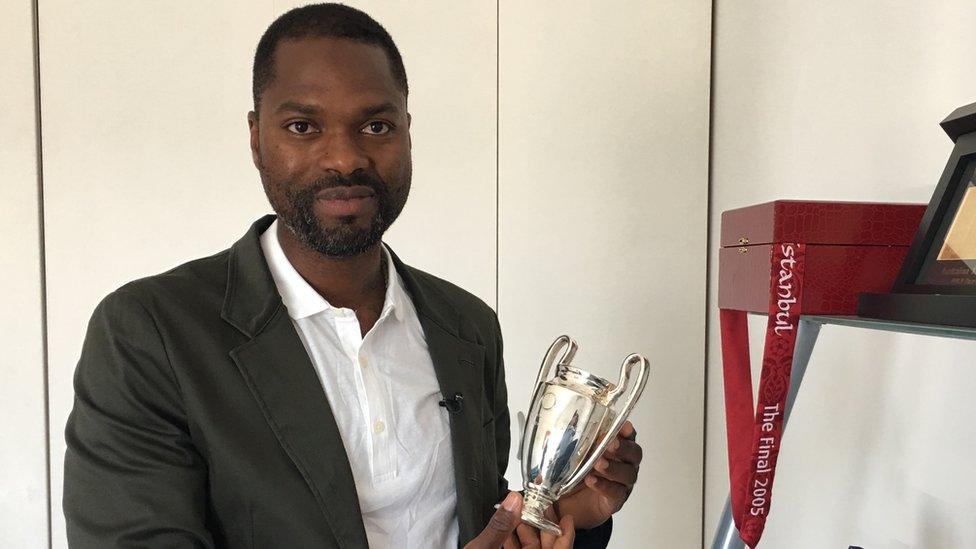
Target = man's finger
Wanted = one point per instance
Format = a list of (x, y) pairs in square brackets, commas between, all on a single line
[(512, 542), (627, 431), (505, 520), (617, 471), (627, 451), (614, 492), (528, 536), (565, 541)]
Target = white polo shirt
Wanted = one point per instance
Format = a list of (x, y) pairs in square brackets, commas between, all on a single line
[(384, 395)]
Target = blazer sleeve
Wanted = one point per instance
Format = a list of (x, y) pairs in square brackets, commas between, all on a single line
[(132, 476), (594, 538)]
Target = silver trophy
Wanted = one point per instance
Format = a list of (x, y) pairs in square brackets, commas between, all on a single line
[(571, 419)]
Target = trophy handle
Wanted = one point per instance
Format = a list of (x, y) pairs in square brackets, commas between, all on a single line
[(625, 374), (636, 388), (568, 346), (563, 343)]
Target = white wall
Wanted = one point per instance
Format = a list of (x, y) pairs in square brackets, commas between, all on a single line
[(23, 446), (146, 165), (841, 100), (602, 219)]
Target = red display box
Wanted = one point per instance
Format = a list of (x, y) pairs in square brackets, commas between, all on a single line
[(851, 247)]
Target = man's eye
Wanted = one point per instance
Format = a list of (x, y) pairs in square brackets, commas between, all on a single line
[(300, 127), (376, 128)]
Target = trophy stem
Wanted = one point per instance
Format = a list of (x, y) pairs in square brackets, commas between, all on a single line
[(535, 504)]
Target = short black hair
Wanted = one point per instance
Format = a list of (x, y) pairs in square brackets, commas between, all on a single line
[(322, 21)]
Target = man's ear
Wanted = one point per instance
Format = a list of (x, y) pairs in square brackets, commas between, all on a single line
[(252, 125), (409, 141)]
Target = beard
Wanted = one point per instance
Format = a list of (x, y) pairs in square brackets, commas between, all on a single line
[(297, 211)]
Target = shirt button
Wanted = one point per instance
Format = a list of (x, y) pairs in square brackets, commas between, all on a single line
[(379, 426), (363, 362)]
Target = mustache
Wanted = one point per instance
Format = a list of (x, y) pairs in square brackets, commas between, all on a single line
[(357, 178)]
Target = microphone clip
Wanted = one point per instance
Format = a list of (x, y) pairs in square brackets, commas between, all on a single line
[(453, 403)]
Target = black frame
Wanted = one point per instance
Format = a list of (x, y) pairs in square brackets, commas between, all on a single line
[(932, 229), (928, 303)]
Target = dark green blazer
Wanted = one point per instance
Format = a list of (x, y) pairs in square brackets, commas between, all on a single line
[(199, 420)]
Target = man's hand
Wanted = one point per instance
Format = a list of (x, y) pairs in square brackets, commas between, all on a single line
[(608, 485), (505, 530)]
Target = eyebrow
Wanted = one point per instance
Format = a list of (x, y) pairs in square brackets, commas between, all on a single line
[(377, 109), (312, 110), (294, 106)]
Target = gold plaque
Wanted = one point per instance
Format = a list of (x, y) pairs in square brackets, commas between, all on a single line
[(960, 241)]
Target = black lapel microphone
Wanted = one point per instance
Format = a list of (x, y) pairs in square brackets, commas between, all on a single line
[(453, 403)]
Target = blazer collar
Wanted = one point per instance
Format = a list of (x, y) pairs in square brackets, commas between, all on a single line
[(251, 297)]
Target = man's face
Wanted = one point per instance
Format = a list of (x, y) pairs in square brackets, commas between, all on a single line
[(332, 143)]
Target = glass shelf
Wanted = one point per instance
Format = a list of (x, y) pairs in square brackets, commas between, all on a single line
[(955, 332)]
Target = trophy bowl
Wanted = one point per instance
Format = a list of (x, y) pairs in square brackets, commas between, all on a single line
[(571, 419)]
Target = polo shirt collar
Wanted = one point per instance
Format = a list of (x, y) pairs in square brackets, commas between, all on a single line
[(302, 300)]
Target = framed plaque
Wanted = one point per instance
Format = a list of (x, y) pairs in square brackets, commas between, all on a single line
[(937, 281)]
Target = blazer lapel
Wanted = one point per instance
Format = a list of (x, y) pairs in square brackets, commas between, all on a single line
[(282, 379), (459, 366)]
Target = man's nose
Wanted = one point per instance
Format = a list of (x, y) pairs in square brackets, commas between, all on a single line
[(340, 152)]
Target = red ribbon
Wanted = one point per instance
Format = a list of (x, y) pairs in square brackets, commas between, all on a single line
[(754, 435)]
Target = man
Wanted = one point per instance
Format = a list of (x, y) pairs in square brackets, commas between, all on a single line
[(305, 388)]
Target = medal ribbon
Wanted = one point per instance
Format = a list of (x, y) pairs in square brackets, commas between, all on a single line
[(754, 435)]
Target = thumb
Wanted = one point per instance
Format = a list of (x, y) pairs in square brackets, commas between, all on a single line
[(506, 518)]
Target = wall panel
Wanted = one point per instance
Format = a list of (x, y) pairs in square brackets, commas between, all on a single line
[(603, 137), (23, 466)]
